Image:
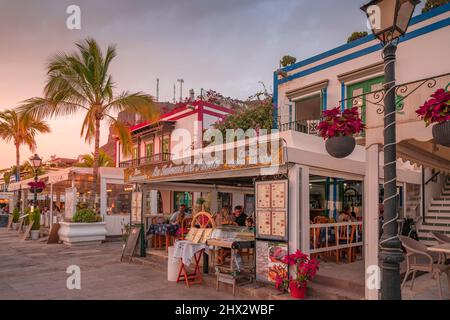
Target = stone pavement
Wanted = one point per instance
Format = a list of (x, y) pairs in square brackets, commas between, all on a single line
[(35, 270), (426, 288)]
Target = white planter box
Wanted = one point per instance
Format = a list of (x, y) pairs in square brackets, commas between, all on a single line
[(82, 233)]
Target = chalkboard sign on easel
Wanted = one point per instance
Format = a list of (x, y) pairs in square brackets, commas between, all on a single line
[(132, 241)]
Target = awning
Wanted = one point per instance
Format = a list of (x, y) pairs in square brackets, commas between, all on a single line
[(426, 154), (51, 177)]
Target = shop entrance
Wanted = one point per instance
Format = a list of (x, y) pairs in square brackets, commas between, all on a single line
[(336, 227)]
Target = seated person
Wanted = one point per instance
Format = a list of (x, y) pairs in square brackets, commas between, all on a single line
[(239, 216), (249, 223), (181, 211), (345, 215), (223, 217)]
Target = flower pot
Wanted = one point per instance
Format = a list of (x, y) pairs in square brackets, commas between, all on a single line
[(71, 233), (441, 133), (15, 225), (297, 292), (34, 234), (340, 147)]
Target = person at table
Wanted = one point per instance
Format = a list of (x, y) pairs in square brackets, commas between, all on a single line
[(239, 216), (223, 217), (181, 211), (346, 215)]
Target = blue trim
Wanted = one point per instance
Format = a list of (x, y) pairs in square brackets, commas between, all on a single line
[(343, 96), (275, 100), (415, 20), (414, 34), (327, 197), (334, 199), (324, 99)]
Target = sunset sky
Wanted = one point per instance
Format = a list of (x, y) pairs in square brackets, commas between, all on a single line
[(225, 45)]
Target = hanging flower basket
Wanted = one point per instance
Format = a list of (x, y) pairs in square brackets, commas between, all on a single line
[(340, 147), (437, 111), (339, 128), (37, 187), (441, 133)]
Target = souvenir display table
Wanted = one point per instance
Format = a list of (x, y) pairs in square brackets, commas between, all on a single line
[(234, 239), (193, 248)]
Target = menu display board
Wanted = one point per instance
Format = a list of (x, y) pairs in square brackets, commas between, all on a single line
[(269, 260), (263, 196), (271, 211), (264, 222), (278, 224), (278, 195)]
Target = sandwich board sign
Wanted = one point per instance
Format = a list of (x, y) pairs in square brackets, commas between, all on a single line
[(131, 244)]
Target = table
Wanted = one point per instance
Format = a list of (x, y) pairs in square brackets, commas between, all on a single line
[(442, 249), (160, 230), (188, 251)]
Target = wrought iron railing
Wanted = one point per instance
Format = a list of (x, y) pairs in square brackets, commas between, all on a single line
[(303, 126), (153, 159)]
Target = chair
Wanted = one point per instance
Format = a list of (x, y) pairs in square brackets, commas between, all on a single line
[(441, 238), (418, 258), (320, 219), (347, 235)]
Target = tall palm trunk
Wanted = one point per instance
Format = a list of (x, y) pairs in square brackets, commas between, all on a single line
[(95, 185), (18, 172)]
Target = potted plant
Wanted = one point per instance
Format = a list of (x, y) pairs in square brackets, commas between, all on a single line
[(437, 110), (338, 128), (36, 186), (303, 269), (86, 227), (16, 216), (27, 213), (35, 219)]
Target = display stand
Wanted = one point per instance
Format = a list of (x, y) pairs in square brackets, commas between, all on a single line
[(201, 220), (196, 276)]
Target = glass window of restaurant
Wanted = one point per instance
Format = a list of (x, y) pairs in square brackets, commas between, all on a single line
[(118, 199), (149, 149), (224, 200), (181, 197)]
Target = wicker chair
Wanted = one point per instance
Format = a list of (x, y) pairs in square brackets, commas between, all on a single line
[(418, 258), (441, 238)]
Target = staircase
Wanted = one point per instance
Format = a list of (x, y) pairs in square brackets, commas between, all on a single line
[(437, 218)]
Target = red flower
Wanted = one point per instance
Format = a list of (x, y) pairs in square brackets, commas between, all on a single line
[(437, 109), (340, 123)]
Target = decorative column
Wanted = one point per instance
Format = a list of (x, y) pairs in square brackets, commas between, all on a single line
[(391, 253)]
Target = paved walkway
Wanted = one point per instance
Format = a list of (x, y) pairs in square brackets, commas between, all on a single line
[(35, 270)]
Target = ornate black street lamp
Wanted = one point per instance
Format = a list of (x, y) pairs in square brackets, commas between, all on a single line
[(389, 20), (36, 164)]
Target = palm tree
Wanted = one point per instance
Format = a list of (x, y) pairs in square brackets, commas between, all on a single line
[(80, 81), (21, 129), (103, 160)]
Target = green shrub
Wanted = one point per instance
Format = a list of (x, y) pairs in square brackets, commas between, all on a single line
[(86, 216), (357, 35), (35, 219), (28, 212), (16, 215)]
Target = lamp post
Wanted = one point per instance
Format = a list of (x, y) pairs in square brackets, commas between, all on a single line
[(36, 163), (389, 20)]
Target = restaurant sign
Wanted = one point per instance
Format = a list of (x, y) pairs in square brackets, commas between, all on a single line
[(269, 164)]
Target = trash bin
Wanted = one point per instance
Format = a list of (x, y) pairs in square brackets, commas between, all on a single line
[(173, 265)]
